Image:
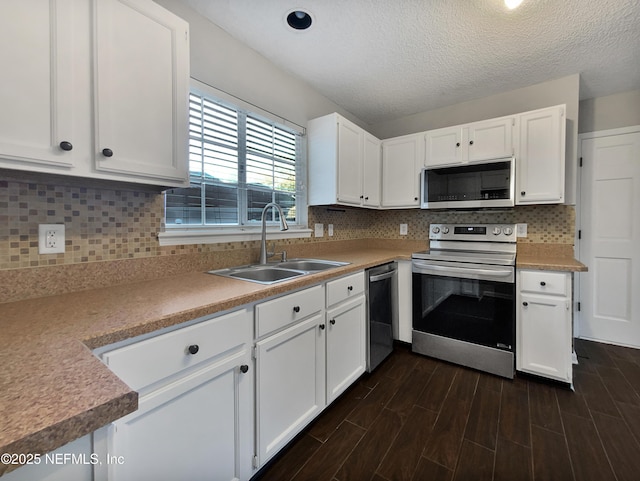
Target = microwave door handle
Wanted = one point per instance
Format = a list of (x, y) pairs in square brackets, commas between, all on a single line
[(473, 270)]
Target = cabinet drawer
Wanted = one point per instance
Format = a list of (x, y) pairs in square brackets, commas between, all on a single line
[(278, 313), (146, 362), (545, 282), (344, 288)]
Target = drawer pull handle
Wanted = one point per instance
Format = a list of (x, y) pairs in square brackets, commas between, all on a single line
[(107, 152), (543, 283), (244, 368), (296, 309), (321, 326), (525, 304), (350, 288), (332, 322), (66, 146), (193, 349)]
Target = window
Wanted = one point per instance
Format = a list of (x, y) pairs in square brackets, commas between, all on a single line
[(238, 163)]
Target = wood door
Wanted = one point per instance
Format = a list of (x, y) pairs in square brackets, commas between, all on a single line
[(444, 147), (491, 139), (371, 185), (610, 244), (402, 160)]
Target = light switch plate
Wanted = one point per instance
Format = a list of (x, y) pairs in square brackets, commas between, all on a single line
[(319, 230), (521, 230), (51, 239)]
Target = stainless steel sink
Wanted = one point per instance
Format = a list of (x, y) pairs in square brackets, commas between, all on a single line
[(309, 264), (277, 271)]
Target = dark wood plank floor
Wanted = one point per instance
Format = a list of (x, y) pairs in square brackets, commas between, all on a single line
[(416, 418)]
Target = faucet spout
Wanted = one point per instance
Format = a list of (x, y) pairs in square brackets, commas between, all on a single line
[(263, 239)]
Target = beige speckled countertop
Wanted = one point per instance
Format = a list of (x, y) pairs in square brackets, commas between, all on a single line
[(552, 257), (54, 390)]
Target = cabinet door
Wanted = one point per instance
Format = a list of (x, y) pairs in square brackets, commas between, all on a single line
[(346, 346), (350, 159), (491, 139), (290, 370), (444, 147), (540, 164), (197, 428), (36, 84), (544, 336), (371, 171), (141, 71), (402, 160)]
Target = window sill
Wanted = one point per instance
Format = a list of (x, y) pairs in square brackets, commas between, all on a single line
[(220, 235)]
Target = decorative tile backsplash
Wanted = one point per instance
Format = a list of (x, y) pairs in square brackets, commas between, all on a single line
[(104, 225)]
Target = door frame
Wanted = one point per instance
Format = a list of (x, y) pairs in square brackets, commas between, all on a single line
[(577, 279)]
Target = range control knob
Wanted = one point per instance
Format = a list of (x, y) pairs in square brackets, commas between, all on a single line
[(507, 231), (436, 230), (445, 230), (497, 230)]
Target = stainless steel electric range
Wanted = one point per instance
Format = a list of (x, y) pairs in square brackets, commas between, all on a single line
[(464, 296)]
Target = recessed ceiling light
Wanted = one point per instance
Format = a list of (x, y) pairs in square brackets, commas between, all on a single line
[(299, 20), (511, 4)]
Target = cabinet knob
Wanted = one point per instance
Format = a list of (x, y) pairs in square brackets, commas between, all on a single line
[(366, 198), (457, 144), (522, 193), (415, 198), (244, 368), (107, 152), (321, 326), (525, 304), (296, 309), (66, 146), (543, 283), (332, 322), (193, 349), (350, 288), (471, 142), (362, 196)]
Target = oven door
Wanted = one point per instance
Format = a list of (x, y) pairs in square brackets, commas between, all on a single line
[(468, 302)]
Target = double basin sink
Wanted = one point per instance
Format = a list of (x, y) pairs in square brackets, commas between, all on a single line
[(278, 271)]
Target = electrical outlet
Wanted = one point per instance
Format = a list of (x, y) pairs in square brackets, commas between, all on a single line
[(319, 230), (521, 230), (330, 230), (51, 238), (404, 229)]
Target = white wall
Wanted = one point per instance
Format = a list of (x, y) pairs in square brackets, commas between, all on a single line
[(610, 112), (220, 61)]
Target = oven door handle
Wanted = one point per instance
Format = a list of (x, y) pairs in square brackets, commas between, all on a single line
[(463, 270)]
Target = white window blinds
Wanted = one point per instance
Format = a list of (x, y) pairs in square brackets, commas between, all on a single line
[(238, 163)]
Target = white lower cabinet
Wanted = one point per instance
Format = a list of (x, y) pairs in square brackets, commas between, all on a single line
[(301, 367), (543, 316), (197, 421), (290, 390), (346, 333)]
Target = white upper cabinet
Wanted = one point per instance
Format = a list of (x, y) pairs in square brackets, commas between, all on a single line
[(344, 163), (478, 141), (36, 84), (402, 161), (540, 163), (95, 89), (141, 56)]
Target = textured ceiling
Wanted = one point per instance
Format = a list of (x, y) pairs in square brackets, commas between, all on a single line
[(385, 59)]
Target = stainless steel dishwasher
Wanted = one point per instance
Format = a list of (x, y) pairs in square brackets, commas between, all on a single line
[(382, 312)]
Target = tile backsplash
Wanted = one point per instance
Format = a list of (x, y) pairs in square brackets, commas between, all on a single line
[(104, 224)]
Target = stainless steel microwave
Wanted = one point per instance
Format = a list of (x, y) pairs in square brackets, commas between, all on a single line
[(469, 186)]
